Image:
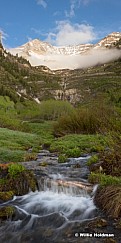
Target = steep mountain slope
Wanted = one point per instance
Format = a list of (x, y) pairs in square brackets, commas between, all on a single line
[(43, 53), (19, 80)]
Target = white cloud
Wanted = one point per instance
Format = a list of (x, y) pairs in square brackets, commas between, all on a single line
[(57, 13), (36, 31), (75, 4), (85, 2), (71, 13), (42, 3), (3, 34), (29, 38), (91, 58), (67, 33)]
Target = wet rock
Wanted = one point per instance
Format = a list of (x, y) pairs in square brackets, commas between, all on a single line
[(77, 165), (97, 223), (43, 153)]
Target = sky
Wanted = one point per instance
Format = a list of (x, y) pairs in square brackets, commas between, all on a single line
[(59, 22)]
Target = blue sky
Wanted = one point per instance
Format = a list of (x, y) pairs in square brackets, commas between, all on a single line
[(61, 22)]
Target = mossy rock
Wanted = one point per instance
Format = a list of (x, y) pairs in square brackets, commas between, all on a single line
[(31, 180), (44, 164), (6, 212), (21, 184), (5, 196)]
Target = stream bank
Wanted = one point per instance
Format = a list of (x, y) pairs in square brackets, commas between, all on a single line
[(62, 209)]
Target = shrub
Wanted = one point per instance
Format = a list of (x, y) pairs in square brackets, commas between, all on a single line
[(104, 180), (62, 158), (75, 152), (111, 160), (88, 120), (92, 160), (52, 109), (15, 169), (81, 121), (77, 144), (30, 156)]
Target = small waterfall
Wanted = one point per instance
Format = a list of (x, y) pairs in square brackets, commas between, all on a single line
[(59, 201), (61, 186)]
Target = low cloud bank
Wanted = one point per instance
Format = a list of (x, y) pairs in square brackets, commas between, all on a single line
[(88, 59)]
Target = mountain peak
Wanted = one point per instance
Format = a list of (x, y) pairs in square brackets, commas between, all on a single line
[(43, 53)]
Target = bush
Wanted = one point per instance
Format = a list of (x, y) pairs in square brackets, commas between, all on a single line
[(88, 120), (75, 152), (52, 109), (62, 158), (92, 160), (30, 156), (15, 169), (81, 121), (104, 180), (78, 144)]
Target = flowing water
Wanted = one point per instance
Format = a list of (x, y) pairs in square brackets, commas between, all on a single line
[(63, 201)]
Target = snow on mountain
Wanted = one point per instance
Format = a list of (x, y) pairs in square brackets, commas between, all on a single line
[(43, 53), (109, 40)]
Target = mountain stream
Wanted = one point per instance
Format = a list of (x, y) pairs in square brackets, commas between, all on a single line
[(59, 210)]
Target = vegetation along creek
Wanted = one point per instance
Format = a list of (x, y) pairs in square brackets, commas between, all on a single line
[(60, 152)]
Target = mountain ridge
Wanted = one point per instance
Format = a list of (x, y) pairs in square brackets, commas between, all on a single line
[(20, 81), (38, 52)]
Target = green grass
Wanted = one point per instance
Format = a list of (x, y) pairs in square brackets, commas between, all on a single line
[(104, 180), (8, 155), (43, 129), (14, 144), (79, 144)]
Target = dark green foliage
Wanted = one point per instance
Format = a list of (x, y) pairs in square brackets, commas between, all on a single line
[(96, 119)]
